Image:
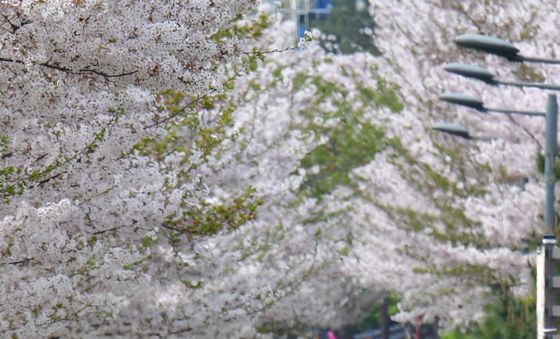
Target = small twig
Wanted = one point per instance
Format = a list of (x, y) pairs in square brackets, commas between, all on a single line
[(164, 225), (169, 117), (44, 181), (18, 262), (187, 329), (276, 50), (41, 157), (105, 231)]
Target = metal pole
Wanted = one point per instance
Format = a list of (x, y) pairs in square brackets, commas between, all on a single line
[(509, 111), (540, 60), (522, 84), (550, 152), (547, 253)]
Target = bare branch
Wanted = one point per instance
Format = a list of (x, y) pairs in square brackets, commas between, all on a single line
[(19, 262), (105, 231), (44, 181), (276, 50), (187, 329), (82, 71), (13, 25), (164, 225)]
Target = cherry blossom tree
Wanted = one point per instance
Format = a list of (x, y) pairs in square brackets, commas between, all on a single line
[(151, 178), (451, 212), (94, 172), (448, 224), (160, 176)]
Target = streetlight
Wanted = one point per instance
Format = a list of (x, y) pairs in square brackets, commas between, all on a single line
[(551, 115), (547, 281), (453, 129), (457, 131), (482, 74), (499, 47), (550, 142), (476, 103)]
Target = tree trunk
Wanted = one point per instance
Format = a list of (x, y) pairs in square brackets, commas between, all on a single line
[(384, 319)]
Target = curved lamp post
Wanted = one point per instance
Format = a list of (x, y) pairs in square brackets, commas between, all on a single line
[(476, 103), (482, 74), (499, 47), (551, 115), (457, 130), (548, 283), (453, 129)]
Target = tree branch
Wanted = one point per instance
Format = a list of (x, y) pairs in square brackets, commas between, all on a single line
[(105, 231), (18, 262), (13, 25), (171, 116), (82, 71), (276, 50)]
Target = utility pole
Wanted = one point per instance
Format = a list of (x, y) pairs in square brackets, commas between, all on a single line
[(547, 290), (548, 283)]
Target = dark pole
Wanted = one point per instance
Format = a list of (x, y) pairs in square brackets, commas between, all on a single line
[(550, 152), (384, 319)]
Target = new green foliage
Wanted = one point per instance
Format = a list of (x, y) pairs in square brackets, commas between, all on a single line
[(508, 317), (373, 318), (353, 141), (208, 219), (349, 147)]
